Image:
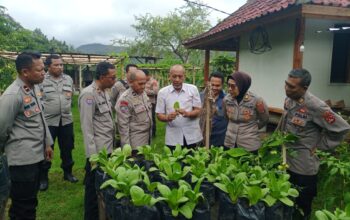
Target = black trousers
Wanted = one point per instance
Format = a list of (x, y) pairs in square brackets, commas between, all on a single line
[(307, 187), (90, 197), (184, 146), (65, 136), (24, 191), (154, 126)]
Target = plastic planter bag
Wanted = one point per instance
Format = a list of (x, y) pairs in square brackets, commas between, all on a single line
[(279, 211), (227, 210), (246, 212)]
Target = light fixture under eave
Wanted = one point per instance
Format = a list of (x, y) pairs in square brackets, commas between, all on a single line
[(302, 47), (333, 29)]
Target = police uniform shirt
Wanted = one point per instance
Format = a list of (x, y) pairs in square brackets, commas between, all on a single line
[(117, 90), (96, 120), (245, 120), (134, 118), (57, 96), (316, 125), (23, 131), (181, 126), (151, 89)]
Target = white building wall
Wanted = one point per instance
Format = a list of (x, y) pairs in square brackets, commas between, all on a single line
[(270, 69), (318, 60)]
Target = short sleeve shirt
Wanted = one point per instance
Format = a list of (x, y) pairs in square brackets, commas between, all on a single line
[(181, 127)]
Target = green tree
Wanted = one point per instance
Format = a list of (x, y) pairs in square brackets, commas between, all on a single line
[(164, 36), (7, 74), (224, 63), (13, 37)]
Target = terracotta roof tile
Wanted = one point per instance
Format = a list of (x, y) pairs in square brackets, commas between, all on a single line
[(258, 8)]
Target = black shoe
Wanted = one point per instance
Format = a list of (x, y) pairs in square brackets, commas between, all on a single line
[(70, 178), (44, 185)]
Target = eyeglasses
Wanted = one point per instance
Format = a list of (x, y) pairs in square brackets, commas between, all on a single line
[(111, 77), (289, 85), (232, 85)]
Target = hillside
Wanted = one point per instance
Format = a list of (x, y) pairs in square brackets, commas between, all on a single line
[(14, 37), (102, 49)]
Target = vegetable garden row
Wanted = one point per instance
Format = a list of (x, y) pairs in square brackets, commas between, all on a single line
[(160, 183)]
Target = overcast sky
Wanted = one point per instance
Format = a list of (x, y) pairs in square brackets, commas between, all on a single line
[(97, 21)]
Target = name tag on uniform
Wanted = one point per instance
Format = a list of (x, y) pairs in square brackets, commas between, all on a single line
[(300, 115), (140, 108)]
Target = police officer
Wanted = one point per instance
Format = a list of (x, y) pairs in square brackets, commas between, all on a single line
[(24, 134), (57, 91), (121, 85), (98, 128), (118, 88), (247, 113), (317, 127), (134, 112)]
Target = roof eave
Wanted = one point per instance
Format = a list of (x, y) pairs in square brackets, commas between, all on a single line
[(233, 32)]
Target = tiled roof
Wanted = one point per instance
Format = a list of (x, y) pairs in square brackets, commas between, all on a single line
[(258, 8)]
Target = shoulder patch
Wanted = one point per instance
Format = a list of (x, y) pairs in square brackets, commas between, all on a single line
[(124, 109), (89, 100), (260, 106), (124, 103), (329, 117)]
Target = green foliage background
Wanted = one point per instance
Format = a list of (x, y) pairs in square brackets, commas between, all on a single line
[(13, 37)]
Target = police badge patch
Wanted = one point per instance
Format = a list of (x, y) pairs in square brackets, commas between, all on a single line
[(89, 100), (329, 117), (27, 99), (260, 106), (124, 106)]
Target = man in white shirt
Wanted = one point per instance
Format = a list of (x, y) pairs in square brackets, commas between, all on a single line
[(183, 117)]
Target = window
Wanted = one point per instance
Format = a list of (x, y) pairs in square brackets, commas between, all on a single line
[(340, 71)]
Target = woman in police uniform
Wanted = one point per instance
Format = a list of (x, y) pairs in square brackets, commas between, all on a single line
[(246, 113)]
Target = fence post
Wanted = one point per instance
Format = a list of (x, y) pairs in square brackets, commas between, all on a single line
[(193, 76)]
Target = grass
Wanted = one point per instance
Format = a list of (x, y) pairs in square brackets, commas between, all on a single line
[(64, 200)]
